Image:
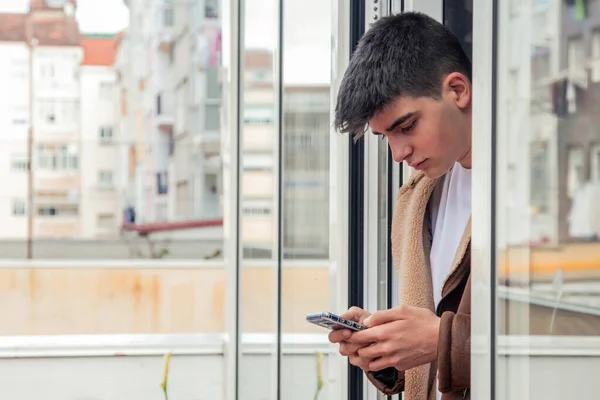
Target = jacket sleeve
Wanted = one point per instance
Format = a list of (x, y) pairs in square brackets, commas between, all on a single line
[(454, 352), (388, 381)]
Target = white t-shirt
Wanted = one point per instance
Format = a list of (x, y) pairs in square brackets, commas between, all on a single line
[(450, 211)]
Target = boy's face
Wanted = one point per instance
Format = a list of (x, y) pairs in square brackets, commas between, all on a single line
[(430, 134)]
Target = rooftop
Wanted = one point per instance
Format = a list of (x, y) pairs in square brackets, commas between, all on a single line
[(98, 49)]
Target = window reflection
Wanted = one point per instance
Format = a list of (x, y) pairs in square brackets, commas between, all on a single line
[(259, 154), (305, 221), (548, 178), (112, 180), (458, 17), (306, 166)]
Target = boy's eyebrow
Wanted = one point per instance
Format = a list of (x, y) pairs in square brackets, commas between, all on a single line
[(398, 121)]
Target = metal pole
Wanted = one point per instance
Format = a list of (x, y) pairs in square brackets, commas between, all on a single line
[(30, 210)]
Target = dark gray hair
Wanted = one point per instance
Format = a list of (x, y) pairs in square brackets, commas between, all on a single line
[(407, 54)]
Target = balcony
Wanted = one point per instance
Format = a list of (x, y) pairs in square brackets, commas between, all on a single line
[(56, 181), (165, 42), (133, 365), (49, 227), (162, 182), (144, 310), (164, 111), (166, 29), (208, 143), (204, 123)]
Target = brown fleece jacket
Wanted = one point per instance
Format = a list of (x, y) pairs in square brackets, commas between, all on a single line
[(410, 251)]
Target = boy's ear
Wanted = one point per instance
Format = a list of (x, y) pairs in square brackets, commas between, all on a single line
[(458, 87)]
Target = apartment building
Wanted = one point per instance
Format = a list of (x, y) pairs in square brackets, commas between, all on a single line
[(15, 114), (550, 124), (204, 110), (576, 106), (168, 62), (57, 56), (45, 112), (258, 142), (527, 126), (305, 166), (192, 30), (100, 146), (169, 69), (144, 112), (129, 86), (306, 141)]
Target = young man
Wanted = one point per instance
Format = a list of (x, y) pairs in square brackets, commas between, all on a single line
[(409, 81)]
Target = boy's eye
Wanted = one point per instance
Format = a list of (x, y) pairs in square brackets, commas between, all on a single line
[(408, 127)]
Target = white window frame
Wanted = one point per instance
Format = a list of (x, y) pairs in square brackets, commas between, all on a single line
[(595, 56), (18, 162), (576, 62), (106, 134), (106, 179), (110, 219), (57, 157), (106, 90), (58, 112), (595, 162), (256, 211), (19, 207), (64, 204), (68, 210), (575, 170), (168, 15)]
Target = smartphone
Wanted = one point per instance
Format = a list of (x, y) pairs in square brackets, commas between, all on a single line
[(332, 321)]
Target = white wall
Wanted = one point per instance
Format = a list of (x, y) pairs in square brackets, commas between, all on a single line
[(14, 124), (98, 110), (547, 367), (197, 370), (131, 366)]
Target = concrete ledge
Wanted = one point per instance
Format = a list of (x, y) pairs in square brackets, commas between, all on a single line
[(154, 264), (252, 343), (549, 346), (54, 346)]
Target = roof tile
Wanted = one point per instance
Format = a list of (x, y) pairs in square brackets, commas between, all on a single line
[(98, 51)]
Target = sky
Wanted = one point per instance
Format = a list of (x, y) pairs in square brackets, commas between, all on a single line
[(307, 51), (94, 16), (306, 31)]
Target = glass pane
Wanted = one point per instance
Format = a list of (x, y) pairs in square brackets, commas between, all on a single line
[(103, 254), (213, 87), (548, 224), (306, 139), (458, 17), (212, 117), (259, 191)]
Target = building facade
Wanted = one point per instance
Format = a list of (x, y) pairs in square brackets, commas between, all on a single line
[(100, 143), (52, 81), (169, 69)]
